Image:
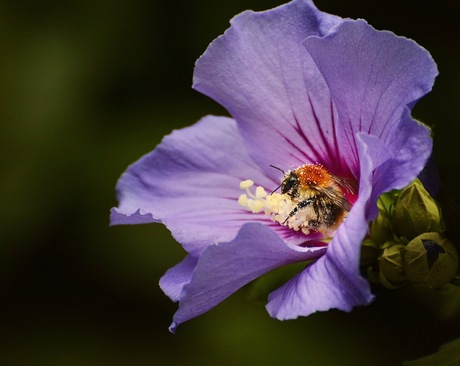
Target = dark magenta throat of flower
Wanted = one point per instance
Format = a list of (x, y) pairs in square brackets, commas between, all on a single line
[(302, 86)]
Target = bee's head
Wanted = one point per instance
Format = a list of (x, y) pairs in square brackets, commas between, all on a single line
[(290, 184)]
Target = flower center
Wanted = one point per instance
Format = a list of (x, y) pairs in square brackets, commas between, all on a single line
[(311, 199)]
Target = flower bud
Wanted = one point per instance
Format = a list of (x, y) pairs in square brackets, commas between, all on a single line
[(380, 229), (369, 252), (391, 265), (416, 212), (430, 260)]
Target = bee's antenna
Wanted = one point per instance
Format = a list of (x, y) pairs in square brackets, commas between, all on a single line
[(276, 189), (281, 170)]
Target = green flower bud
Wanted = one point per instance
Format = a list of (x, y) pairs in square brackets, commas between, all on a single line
[(380, 230), (430, 260), (416, 212), (391, 265), (369, 252)]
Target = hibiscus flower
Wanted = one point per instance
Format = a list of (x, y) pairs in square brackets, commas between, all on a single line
[(306, 90)]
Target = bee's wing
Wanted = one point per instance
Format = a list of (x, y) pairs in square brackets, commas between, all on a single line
[(337, 198), (347, 184)]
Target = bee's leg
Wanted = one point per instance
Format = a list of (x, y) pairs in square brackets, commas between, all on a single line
[(316, 208), (300, 205), (315, 223)]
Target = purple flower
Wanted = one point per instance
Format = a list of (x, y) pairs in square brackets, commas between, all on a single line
[(303, 87)]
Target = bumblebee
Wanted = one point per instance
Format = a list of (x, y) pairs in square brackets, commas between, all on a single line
[(318, 197)]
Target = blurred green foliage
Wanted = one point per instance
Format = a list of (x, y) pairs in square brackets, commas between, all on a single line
[(87, 88)]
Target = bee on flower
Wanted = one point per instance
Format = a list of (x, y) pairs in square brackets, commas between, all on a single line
[(311, 199)]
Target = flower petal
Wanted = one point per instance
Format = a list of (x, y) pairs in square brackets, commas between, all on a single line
[(372, 77), (261, 72), (174, 280), (118, 218), (406, 154), (191, 183), (224, 268)]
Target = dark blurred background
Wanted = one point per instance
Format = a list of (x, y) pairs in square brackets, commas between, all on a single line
[(89, 86)]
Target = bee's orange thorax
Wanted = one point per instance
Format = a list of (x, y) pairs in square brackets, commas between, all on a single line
[(313, 176)]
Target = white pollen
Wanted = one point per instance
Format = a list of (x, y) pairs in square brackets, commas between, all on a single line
[(276, 206), (257, 206), (243, 200), (246, 184), (260, 192)]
